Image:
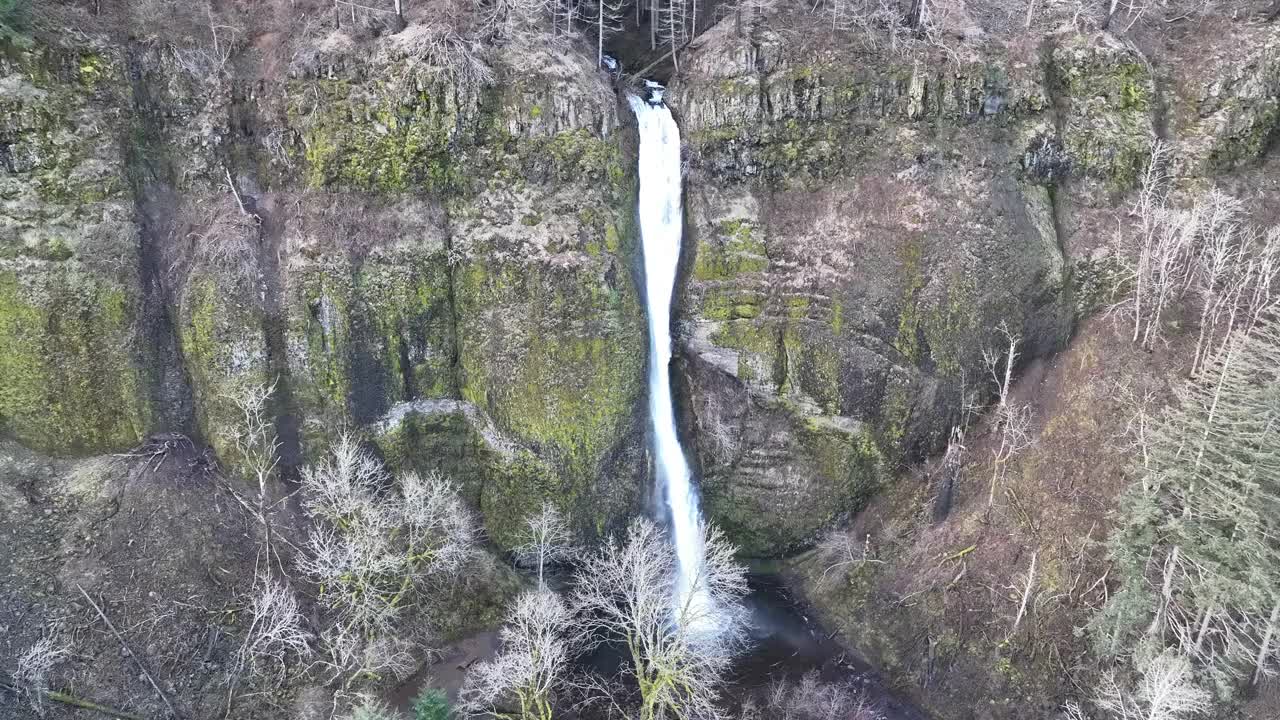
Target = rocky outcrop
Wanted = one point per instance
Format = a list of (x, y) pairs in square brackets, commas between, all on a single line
[(1226, 111)]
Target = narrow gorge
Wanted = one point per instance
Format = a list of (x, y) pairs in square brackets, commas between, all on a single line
[(356, 358)]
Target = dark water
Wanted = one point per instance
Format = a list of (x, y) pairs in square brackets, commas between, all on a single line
[(786, 643), (789, 643)]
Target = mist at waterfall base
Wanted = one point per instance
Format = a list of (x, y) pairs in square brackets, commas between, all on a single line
[(785, 643)]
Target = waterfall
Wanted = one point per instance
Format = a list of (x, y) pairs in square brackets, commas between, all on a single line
[(661, 227)]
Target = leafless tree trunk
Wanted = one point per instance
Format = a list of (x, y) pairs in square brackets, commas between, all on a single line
[(1028, 585), (1265, 646), (653, 24), (1012, 422), (547, 540)]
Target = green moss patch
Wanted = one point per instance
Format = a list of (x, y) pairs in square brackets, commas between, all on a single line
[(67, 380), (839, 470), (1106, 100), (223, 342)]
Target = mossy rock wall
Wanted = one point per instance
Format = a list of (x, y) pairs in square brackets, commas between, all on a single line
[(221, 332), (860, 233), (71, 379), (476, 249), (370, 319), (1105, 102), (551, 333)]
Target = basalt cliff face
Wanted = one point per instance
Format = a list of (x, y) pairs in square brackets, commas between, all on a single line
[(446, 264), (862, 228), (442, 259), (444, 267)]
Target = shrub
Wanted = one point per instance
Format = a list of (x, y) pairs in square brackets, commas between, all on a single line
[(374, 710), (431, 704)]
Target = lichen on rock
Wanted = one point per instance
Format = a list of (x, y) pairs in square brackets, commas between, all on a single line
[(1105, 99)]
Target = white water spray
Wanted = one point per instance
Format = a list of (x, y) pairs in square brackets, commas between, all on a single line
[(661, 227)]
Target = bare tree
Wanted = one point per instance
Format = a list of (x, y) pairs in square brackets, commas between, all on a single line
[(1233, 274), (538, 643), (256, 441), (378, 544), (357, 656), (226, 237), (680, 644), (716, 428), (276, 631), (1071, 710), (547, 540), (206, 62), (1162, 238), (1266, 650), (504, 20), (673, 25), (437, 48), (1206, 253), (1012, 421), (608, 21), (1027, 591), (842, 551), (1166, 691), (747, 13), (813, 699)]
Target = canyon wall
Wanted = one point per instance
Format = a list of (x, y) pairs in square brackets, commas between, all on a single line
[(447, 264)]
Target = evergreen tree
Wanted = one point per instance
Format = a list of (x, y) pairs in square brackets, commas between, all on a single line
[(1199, 553)]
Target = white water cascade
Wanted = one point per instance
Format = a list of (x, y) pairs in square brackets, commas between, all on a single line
[(661, 227)]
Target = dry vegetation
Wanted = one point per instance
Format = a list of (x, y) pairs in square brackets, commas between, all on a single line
[(1156, 432), (810, 699)]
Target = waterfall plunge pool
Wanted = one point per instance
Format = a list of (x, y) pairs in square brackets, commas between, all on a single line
[(786, 643)]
